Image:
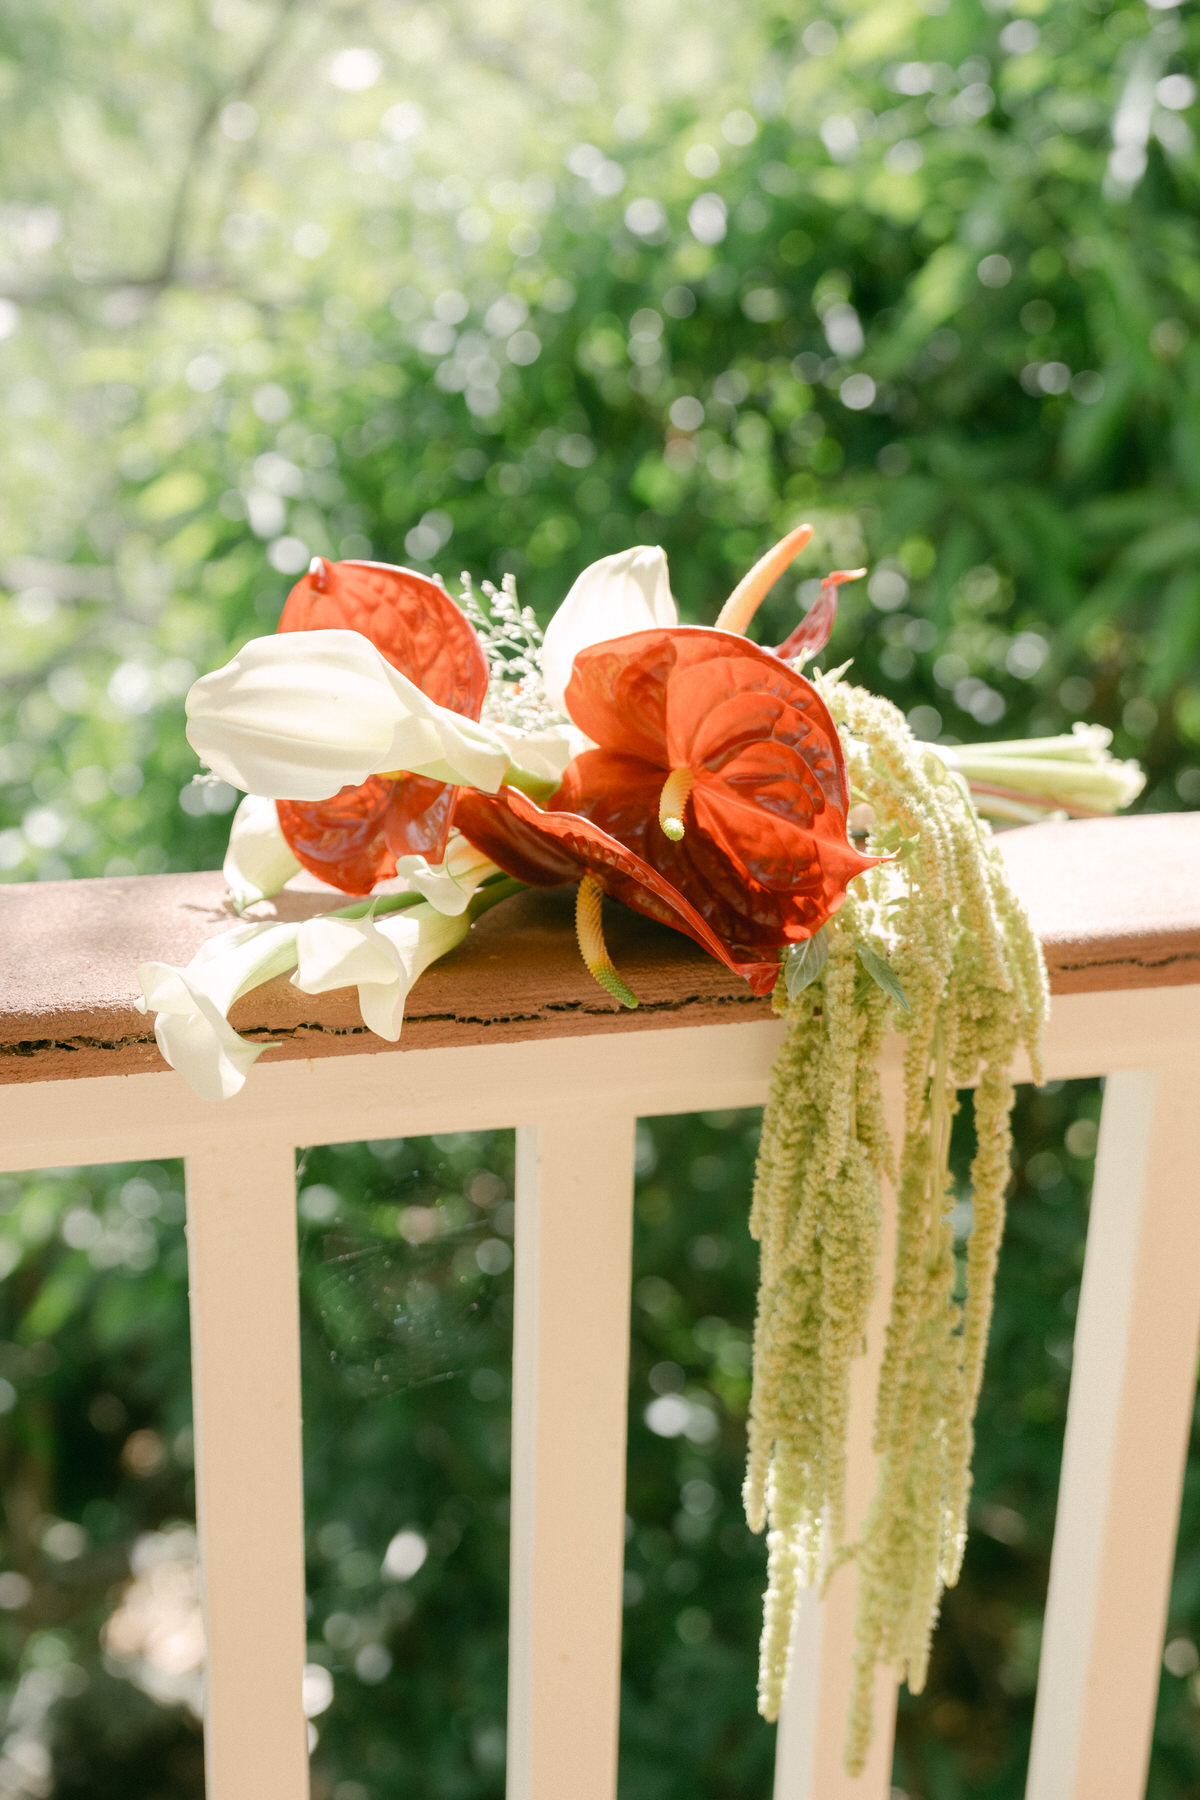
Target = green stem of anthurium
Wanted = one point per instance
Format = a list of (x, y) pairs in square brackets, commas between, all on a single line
[(536, 786), (492, 893), (377, 905)]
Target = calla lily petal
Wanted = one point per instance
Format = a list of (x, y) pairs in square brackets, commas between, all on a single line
[(301, 715), (194, 1036), (545, 753), (336, 953), (381, 957), (191, 1004), (353, 839), (450, 886), (630, 591), (246, 956), (259, 860)]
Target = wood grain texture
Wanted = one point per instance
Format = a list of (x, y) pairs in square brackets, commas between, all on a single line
[(1116, 903)]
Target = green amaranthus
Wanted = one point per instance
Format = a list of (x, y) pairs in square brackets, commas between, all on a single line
[(934, 943)]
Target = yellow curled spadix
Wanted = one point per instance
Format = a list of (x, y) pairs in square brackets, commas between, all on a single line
[(673, 800), (589, 931)]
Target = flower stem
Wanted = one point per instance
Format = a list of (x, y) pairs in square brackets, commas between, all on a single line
[(495, 889), (492, 893), (536, 786), (1073, 772), (995, 799), (377, 905)]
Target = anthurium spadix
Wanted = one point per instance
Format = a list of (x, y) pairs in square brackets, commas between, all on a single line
[(630, 591), (191, 1004), (381, 957), (304, 714)]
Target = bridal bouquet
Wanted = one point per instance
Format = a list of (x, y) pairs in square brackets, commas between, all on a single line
[(430, 757)]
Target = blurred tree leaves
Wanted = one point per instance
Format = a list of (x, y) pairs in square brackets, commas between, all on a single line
[(267, 298), (407, 1318), (510, 290)]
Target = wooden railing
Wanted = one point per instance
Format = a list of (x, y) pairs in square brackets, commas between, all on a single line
[(509, 1031)]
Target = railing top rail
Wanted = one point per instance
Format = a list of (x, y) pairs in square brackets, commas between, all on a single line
[(1116, 903)]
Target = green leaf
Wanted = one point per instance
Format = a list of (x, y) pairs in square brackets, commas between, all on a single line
[(1175, 643), (804, 962), (892, 841), (882, 974)]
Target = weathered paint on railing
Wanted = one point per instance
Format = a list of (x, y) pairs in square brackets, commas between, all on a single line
[(1116, 903)]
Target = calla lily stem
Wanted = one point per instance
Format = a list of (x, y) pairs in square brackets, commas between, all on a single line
[(376, 905), (536, 786), (495, 889), (492, 893), (1072, 773)]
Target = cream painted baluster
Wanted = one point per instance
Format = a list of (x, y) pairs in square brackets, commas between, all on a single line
[(241, 1204), (1132, 1396), (570, 1395), (812, 1723)]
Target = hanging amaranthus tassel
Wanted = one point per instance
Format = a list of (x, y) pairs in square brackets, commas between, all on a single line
[(944, 920)]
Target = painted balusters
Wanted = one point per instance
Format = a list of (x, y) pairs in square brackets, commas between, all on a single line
[(570, 1394), (1133, 1391), (241, 1207)]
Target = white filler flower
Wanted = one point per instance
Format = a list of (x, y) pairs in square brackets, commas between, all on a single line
[(301, 715), (630, 591), (381, 957)]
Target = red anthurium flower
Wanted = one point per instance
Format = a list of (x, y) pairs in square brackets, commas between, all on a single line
[(720, 767), (716, 800), (353, 840), (547, 848)]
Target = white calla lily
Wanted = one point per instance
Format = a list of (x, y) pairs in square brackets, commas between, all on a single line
[(191, 1004), (544, 753), (381, 957), (630, 591), (450, 885), (259, 860), (303, 714), (1024, 779), (193, 1034)]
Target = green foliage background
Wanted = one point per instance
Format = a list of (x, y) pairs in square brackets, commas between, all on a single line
[(504, 287)]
